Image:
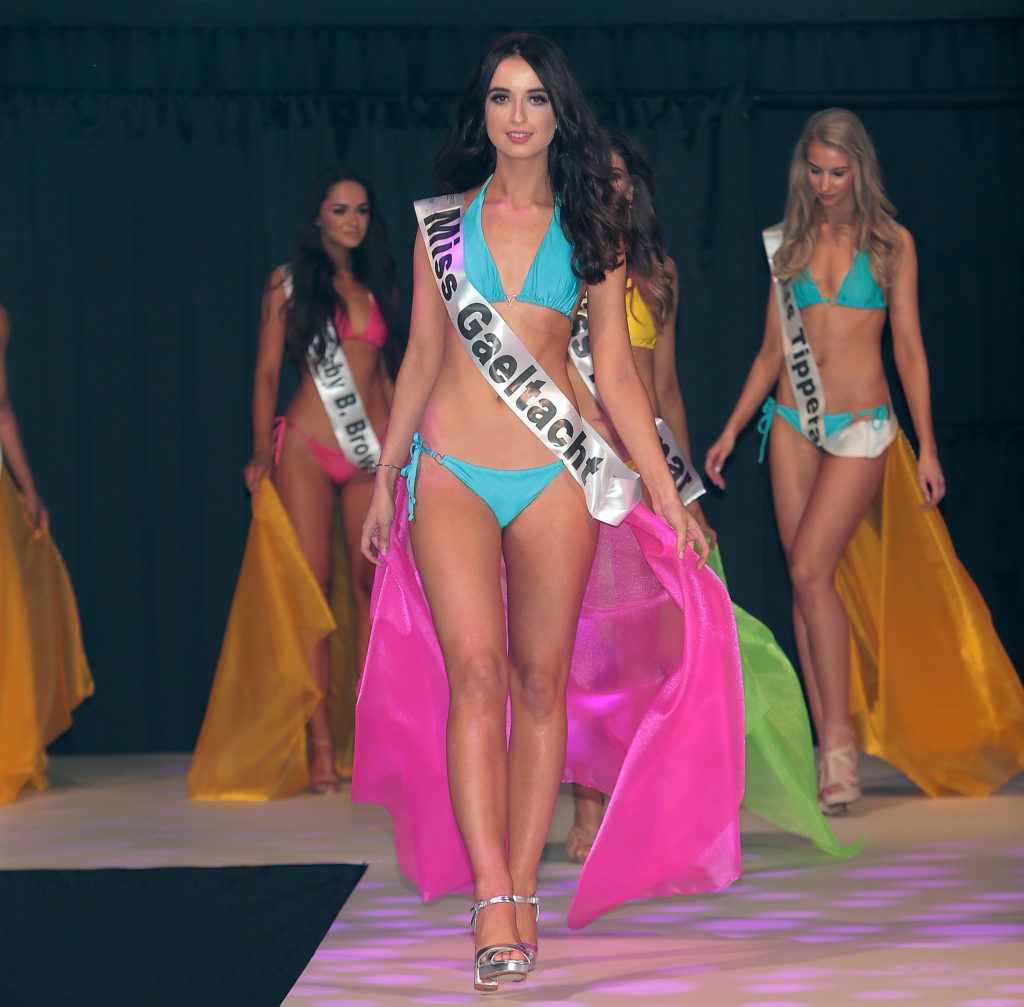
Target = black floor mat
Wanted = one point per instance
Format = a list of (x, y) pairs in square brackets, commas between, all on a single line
[(164, 937)]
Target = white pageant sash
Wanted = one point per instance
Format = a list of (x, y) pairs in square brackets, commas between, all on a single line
[(859, 439), (337, 389), (689, 485), (610, 487)]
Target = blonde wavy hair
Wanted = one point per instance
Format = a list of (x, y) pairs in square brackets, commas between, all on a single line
[(872, 226)]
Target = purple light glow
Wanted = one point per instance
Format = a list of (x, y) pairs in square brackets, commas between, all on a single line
[(964, 907), (853, 929), (347, 967), (977, 930), (653, 918), (555, 1003), (746, 925), (886, 995), (394, 979), (895, 873), (941, 981), (347, 954), (806, 972), (792, 914), (388, 913), (647, 987), (933, 918), (344, 1003), (785, 987), (445, 998), (863, 903)]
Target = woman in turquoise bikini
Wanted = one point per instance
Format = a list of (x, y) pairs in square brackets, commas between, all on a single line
[(541, 218), (845, 262)]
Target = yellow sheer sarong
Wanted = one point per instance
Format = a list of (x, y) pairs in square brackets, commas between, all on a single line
[(932, 691), (43, 671), (252, 745)]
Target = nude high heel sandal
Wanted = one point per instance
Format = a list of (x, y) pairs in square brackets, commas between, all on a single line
[(838, 781), (324, 783)]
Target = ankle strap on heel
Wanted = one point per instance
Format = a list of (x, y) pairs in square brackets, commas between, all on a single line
[(529, 900), (475, 909)]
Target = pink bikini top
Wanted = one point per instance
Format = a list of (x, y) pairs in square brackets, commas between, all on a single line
[(375, 333)]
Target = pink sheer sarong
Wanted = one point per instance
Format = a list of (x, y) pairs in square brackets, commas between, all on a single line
[(655, 702)]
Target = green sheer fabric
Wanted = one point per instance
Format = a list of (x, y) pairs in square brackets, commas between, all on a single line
[(780, 785)]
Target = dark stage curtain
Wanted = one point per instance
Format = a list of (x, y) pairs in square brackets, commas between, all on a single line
[(149, 181)]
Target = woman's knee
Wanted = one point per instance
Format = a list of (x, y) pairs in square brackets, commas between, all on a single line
[(810, 577), (538, 686), (479, 680)]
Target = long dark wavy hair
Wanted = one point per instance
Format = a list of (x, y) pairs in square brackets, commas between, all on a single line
[(314, 299), (645, 251), (579, 160)]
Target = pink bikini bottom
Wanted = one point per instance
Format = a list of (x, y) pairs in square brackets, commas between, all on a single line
[(335, 465)]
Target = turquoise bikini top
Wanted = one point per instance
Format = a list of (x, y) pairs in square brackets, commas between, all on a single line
[(858, 290), (550, 282)]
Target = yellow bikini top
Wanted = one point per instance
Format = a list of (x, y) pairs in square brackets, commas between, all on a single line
[(642, 330)]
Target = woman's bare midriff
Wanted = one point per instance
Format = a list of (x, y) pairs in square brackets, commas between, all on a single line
[(466, 418), (847, 345), (306, 409)]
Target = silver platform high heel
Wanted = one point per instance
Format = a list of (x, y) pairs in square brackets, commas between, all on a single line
[(488, 969), (530, 950)]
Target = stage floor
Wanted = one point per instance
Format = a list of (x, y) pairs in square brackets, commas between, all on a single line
[(931, 912)]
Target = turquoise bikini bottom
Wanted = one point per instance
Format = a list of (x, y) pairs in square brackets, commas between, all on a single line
[(506, 491), (834, 422)]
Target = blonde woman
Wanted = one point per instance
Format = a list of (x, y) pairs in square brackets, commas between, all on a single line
[(846, 263)]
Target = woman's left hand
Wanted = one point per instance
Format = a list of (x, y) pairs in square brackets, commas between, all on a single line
[(930, 479), (36, 512), (697, 511), (685, 525)]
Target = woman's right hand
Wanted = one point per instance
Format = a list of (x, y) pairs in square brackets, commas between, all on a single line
[(380, 515), (714, 461), (260, 465)]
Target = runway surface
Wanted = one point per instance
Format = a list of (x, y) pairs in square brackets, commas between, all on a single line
[(929, 913)]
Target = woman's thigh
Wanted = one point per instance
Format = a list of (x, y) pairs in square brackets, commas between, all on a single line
[(794, 462), (308, 497), (457, 545), (841, 496), (355, 501), (548, 549)]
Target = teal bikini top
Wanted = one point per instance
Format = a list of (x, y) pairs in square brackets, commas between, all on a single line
[(859, 289), (550, 282)]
